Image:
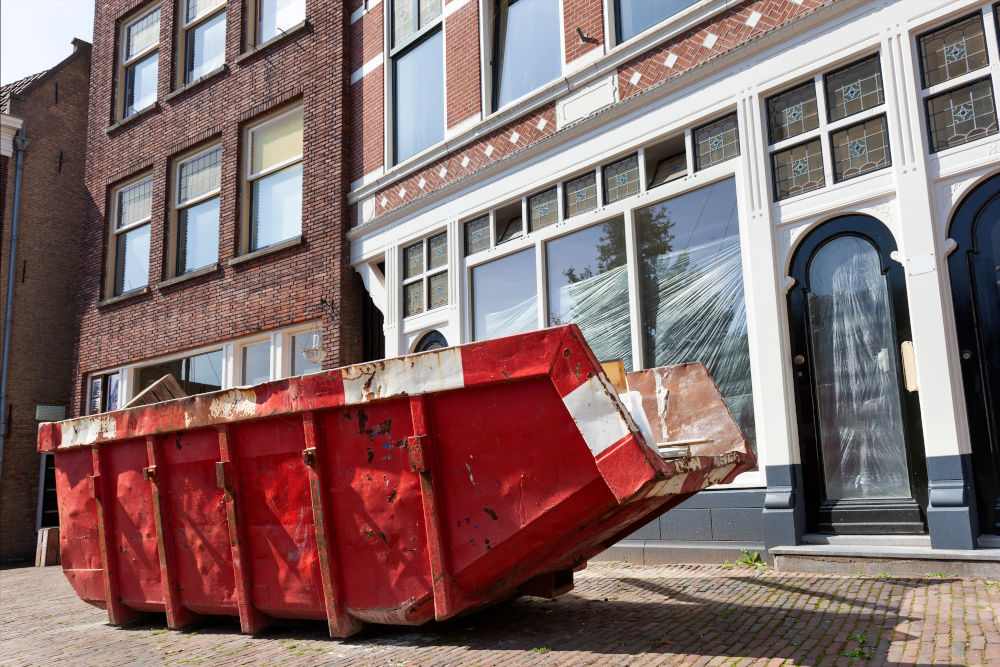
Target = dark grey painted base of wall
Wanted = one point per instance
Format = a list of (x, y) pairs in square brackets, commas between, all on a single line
[(726, 515)]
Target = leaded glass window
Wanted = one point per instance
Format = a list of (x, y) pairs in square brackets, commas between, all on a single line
[(275, 179), (542, 210), (477, 235), (437, 288), (793, 112), (854, 88), (860, 148), (140, 63), (413, 299), (581, 194), (425, 275), (961, 115), (197, 206), (409, 16), (437, 251), (413, 260), (621, 179), (716, 142), (798, 169), (953, 50), (130, 249)]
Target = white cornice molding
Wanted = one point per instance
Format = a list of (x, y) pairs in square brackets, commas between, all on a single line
[(9, 125)]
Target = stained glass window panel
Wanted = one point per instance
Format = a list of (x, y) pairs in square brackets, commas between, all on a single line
[(437, 251), (542, 210), (477, 235), (961, 115), (860, 148), (581, 194), (716, 142), (793, 112), (854, 88), (437, 290), (413, 298), (404, 19), (798, 169), (621, 179), (953, 50), (413, 260)]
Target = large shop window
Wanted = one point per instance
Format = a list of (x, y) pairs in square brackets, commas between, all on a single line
[(505, 296), (140, 62), (133, 209), (526, 47), (635, 16), (197, 211), (417, 75), (203, 38), (691, 291), (197, 374), (274, 172), (587, 276)]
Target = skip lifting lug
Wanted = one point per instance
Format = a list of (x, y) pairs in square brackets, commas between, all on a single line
[(149, 474), (309, 457)]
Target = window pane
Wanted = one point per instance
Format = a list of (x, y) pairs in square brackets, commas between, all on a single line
[(257, 363), (581, 194), (140, 84), (634, 16), (206, 47), (691, 290), (860, 148), (621, 179), (198, 175), (413, 260), (429, 10), (275, 16), (111, 392), (203, 373), (854, 88), (198, 236), (953, 50), (437, 251), (404, 20), (132, 260), (961, 115), (505, 296), (304, 346), (277, 207), (792, 112), (276, 141), (143, 34), (587, 282), (542, 210), (437, 291), (477, 235), (530, 55), (199, 8), (149, 374), (716, 142), (413, 298), (135, 203), (669, 169), (798, 169), (856, 371), (419, 83)]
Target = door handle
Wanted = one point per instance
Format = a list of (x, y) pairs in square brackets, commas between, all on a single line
[(909, 365)]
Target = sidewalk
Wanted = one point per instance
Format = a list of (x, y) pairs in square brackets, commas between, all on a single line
[(619, 614)]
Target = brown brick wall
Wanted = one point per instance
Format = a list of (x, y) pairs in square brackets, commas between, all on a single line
[(311, 280), (42, 328)]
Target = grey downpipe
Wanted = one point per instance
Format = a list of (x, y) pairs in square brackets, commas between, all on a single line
[(20, 145)]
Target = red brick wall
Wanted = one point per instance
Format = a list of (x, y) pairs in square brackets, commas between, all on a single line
[(42, 333), (584, 27), (367, 95), (461, 36), (308, 281)]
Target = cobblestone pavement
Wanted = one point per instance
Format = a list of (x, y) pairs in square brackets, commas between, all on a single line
[(619, 614)]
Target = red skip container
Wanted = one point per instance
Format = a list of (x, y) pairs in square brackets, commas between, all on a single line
[(397, 492)]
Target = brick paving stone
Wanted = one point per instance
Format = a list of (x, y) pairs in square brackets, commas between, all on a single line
[(619, 614)]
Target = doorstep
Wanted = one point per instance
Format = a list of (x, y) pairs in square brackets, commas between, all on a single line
[(871, 557)]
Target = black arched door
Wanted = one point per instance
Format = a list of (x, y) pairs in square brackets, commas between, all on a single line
[(863, 463), (975, 286)]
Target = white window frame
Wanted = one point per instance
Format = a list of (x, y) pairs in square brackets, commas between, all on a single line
[(111, 288), (250, 177), (177, 207), (287, 345), (186, 26), (125, 63)]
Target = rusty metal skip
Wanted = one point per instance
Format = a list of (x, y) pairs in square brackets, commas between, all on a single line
[(397, 492)]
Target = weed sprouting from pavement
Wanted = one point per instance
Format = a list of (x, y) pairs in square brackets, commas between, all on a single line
[(938, 574), (751, 560), (859, 637), (857, 653), (541, 649)]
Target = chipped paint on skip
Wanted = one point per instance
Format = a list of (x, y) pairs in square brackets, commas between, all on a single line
[(439, 370), (234, 404), (662, 394), (671, 486), (88, 430), (598, 414)]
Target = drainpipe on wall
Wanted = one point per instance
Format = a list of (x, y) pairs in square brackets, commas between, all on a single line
[(20, 145)]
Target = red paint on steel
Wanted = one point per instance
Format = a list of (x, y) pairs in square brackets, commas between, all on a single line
[(394, 492)]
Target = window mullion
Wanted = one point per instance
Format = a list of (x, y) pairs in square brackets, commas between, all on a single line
[(822, 132)]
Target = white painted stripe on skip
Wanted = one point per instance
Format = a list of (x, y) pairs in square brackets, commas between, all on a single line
[(417, 374), (597, 414), (87, 430)]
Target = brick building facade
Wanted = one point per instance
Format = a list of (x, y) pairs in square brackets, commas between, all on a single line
[(50, 109), (214, 245)]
